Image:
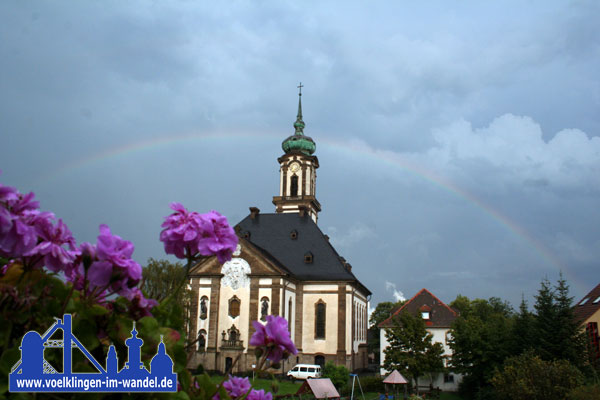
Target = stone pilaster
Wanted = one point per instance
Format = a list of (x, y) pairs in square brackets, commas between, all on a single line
[(213, 334), (275, 304), (341, 336), (299, 316)]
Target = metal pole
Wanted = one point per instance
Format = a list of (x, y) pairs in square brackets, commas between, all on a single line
[(67, 346)]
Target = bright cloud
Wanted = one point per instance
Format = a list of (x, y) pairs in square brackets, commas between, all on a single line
[(391, 287)]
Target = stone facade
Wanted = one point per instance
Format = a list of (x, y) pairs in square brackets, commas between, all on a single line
[(346, 307)]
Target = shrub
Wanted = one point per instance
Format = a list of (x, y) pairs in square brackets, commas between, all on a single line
[(589, 392), (338, 374), (528, 377)]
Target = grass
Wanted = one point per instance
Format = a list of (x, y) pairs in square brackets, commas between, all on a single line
[(288, 387), (285, 386)]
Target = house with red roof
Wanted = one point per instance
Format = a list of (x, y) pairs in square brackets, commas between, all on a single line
[(438, 318), (587, 311)]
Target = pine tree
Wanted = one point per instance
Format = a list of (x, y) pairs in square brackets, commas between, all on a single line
[(569, 336), (558, 335), (523, 338), (545, 327)]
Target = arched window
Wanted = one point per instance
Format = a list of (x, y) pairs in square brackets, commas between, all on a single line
[(320, 360), (201, 340), (234, 307), (294, 186), (320, 315)]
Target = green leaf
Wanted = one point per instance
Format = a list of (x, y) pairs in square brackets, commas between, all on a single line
[(97, 309), (8, 359)]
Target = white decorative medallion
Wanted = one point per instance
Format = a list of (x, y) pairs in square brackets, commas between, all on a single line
[(235, 273), (238, 250)]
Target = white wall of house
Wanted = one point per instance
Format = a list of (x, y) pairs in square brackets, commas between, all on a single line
[(446, 382)]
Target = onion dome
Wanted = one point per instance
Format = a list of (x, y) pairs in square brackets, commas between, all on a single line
[(299, 142), (161, 363)]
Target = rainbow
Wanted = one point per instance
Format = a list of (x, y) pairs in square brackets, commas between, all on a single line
[(352, 148)]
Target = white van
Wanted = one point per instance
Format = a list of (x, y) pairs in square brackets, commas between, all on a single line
[(304, 371)]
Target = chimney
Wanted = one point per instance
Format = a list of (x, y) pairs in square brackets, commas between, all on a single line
[(254, 211)]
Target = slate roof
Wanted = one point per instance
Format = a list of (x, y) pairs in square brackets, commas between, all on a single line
[(440, 315), (590, 306), (273, 235)]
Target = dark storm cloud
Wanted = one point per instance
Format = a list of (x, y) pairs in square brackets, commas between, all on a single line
[(458, 144)]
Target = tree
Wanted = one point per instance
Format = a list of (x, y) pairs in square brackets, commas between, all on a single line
[(523, 330), (569, 334), (382, 312), (528, 377), (545, 322), (411, 348), (557, 331), (339, 375), (161, 277), (481, 341)]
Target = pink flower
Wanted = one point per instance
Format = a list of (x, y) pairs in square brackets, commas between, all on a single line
[(275, 337), (259, 395), (237, 387), (140, 305), (109, 267), (187, 234), (19, 216), (117, 251), (51, 239)]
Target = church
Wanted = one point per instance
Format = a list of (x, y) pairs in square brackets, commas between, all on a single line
[(284, 265)]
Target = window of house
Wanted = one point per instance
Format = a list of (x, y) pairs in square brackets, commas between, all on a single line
[(320, 320), (584, 301), (202, 340), (425, 314), (294, 234), (308, 258), (448, 378), (294, 186), (234, 307), (597, 300)]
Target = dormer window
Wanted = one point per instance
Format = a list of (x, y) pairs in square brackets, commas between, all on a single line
[(294, 234), (584, 301), (308, 258), (597, 300), (425, 314)]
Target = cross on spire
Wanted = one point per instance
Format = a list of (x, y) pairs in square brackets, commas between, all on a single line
[(300, 87)]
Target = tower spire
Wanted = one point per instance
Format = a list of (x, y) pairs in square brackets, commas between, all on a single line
[(299, 124)]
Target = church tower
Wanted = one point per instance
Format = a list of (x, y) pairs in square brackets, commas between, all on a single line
[(298, 172)]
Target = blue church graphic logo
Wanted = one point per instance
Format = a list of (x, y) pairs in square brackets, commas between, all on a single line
[(32, 373)]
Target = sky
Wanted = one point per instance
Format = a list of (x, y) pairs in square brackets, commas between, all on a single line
[(458, 142)]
